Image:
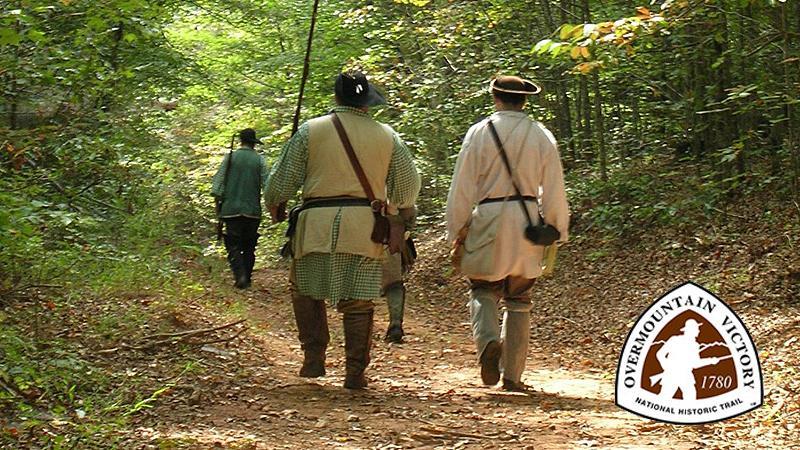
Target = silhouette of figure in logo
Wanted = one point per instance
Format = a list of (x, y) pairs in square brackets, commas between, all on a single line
[(679, 356)]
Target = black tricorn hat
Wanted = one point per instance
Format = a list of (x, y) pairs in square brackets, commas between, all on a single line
[(513, 85), (353, 89), (248, 136)]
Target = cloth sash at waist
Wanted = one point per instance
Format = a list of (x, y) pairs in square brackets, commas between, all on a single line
[(509, 198)]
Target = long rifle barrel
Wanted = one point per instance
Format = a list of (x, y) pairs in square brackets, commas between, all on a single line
[(306, 64)]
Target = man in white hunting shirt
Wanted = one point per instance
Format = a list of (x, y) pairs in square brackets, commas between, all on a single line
[(486, 223)]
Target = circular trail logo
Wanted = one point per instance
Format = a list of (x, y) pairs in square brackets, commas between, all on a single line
[(689, 359)]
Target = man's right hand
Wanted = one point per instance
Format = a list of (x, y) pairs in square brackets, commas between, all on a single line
[(278, 212)]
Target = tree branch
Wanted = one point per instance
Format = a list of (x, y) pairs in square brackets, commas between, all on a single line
[(174, 338), (189, 333)]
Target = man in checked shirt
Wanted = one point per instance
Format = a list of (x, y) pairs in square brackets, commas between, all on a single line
[(333, 255)]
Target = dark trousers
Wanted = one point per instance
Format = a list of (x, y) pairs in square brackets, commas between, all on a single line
[(241, 237)]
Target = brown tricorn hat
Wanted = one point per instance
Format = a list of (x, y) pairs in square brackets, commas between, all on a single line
[(513, 85)]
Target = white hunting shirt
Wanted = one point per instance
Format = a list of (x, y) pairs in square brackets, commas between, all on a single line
[(495, 245)]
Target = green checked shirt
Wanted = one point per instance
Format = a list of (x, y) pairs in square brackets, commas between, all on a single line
[(241, 191), (340, 269)]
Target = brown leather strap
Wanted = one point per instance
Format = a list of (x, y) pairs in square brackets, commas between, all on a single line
[(353, 159)]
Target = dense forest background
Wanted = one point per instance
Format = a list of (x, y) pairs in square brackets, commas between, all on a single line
[(115, 113), (116, 110)]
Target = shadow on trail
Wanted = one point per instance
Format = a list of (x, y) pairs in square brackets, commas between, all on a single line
[(553, 402), (334, 396), (319, 413)]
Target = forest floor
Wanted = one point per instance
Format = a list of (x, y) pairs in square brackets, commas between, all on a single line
[(237, 387), (426, 392)]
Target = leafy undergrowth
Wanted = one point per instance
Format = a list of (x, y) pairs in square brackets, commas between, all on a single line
[(658, 193), (68, 378)]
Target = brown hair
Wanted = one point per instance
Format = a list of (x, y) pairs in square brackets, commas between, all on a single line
[(510, 99)]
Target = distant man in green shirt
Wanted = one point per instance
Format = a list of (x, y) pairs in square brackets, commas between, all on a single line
[(236, 188)]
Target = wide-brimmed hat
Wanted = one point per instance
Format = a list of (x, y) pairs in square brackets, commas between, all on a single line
[(691, 324), (513, 85), (248, 136), (353, 89)]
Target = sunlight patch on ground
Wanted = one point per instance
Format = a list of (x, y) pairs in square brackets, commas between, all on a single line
[(571, 383), (205, 437), (559, 381)]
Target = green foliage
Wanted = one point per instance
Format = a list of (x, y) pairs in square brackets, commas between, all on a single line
[(39, 376), (638, 200), (89, 150), (54, 373), (582, 42), (146, 403)]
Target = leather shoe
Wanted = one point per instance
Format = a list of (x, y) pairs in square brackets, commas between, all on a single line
[(515, 386), (394, 334), (490, 363)]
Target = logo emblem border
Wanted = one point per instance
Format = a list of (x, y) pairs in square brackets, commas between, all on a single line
[(736, 316)]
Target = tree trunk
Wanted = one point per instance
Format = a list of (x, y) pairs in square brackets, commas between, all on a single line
[(599, 130), (564, 115), (619, 118), (586, 112), (725, 124), (13, 97), (566, 118), (789, 78), (696, 79), (586, 16), (563, 92), (579, 143), (637, 119), (12, 112)]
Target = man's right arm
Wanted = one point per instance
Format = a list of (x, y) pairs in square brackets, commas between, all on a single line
[(402, 181), (554, 196), (218, 182)]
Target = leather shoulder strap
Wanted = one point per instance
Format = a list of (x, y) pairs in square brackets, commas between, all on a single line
[(502, 151), (351, 154)]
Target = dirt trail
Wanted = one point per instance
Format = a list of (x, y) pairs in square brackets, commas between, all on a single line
[(425, 393)]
